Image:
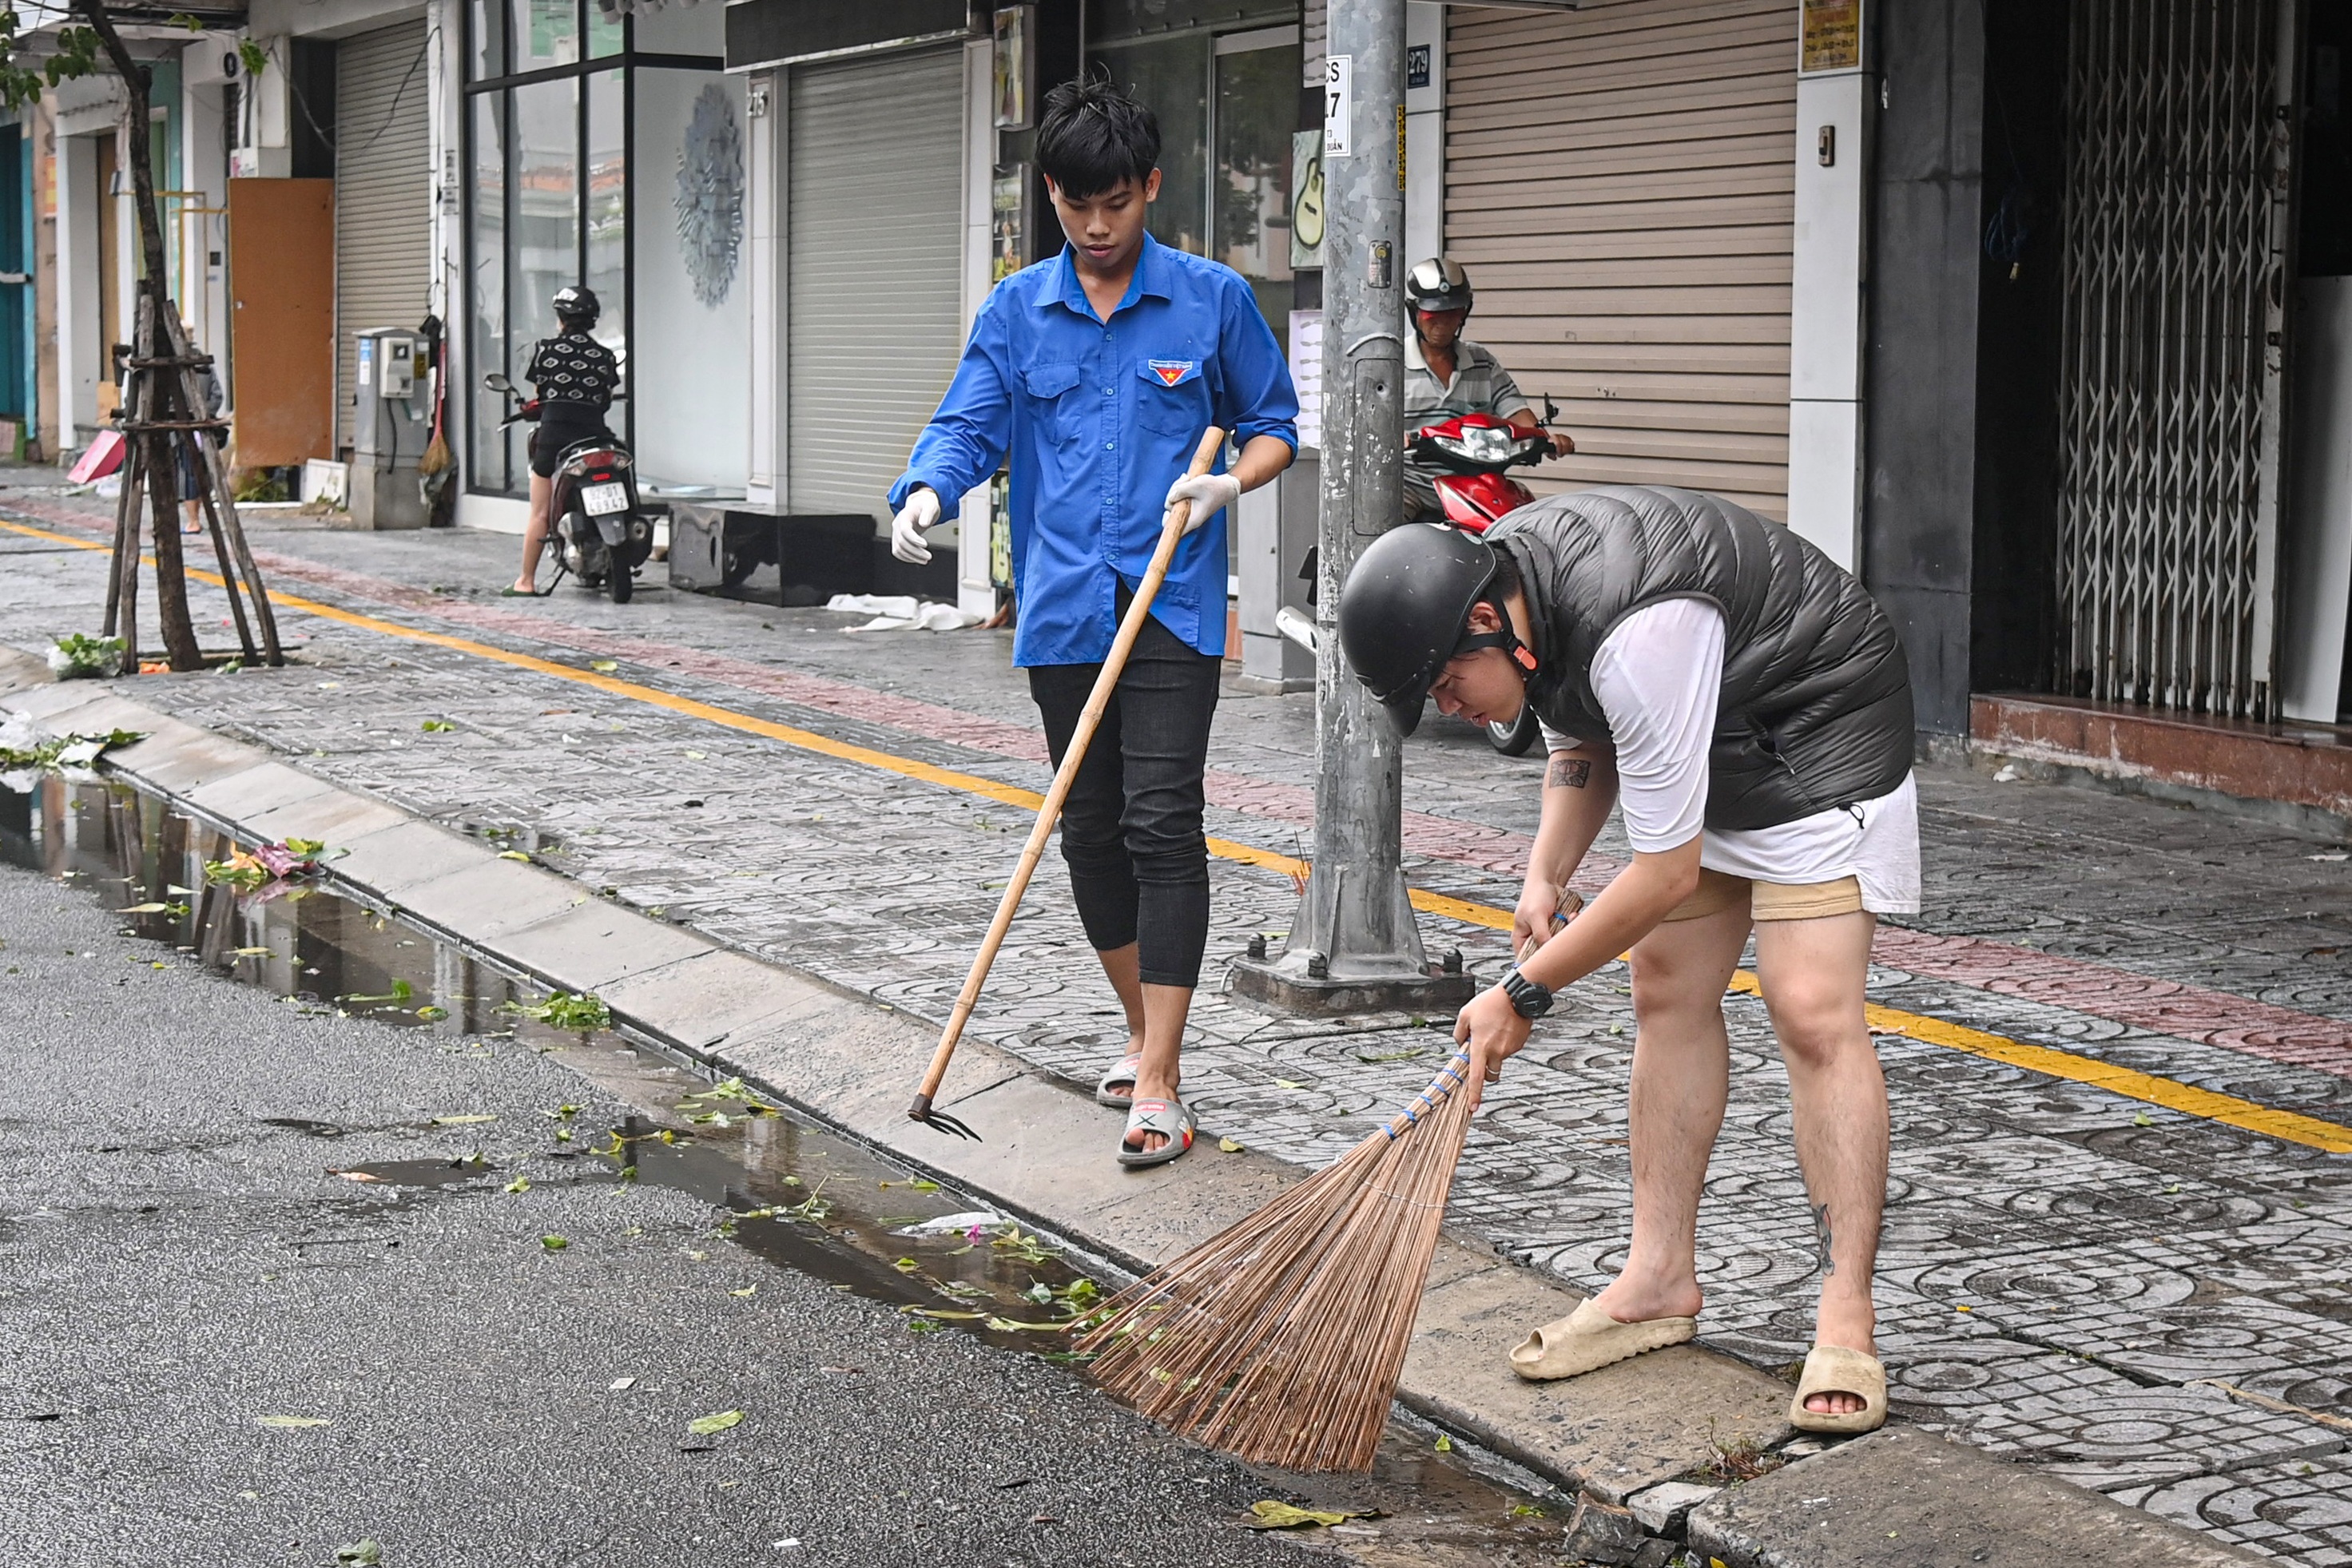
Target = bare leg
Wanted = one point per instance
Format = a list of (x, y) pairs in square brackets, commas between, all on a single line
[(1155, 1027), (1682, 1077), (534, 534), (1812, 973), (191, 516), (1125, 971)]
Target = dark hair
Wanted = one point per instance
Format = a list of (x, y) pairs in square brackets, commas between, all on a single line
[(1093, 137), (1507, 579)]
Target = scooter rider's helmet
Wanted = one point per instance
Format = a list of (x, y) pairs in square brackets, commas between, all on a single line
[(1437, 284), (1405, 612), (577, 306)]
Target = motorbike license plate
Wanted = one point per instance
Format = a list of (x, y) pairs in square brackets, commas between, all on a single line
[(602, 499)]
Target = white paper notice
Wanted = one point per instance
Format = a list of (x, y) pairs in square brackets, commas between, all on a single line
[(1306, 375)]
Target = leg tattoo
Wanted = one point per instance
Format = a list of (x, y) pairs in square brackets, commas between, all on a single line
[(1821, 1237)]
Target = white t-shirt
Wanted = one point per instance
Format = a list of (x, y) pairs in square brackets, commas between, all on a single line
[(1658, 675)]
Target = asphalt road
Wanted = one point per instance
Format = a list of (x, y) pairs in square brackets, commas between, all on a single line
[(181, 1282)]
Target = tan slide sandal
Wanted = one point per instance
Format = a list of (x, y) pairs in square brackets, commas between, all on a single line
[(1589, 1338), (1834, 1369)]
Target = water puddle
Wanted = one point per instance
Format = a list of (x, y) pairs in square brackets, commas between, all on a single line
[(798, 1195)]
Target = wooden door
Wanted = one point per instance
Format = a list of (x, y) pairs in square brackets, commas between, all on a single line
[(281, 268)]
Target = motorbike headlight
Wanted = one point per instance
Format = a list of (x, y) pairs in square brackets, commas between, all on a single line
[(1488, 443)]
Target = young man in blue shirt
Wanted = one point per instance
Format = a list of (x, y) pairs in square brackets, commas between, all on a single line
[(1097, 373)]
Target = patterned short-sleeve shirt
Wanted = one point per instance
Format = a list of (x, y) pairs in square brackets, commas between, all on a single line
[(1480, 385), (575, 368)]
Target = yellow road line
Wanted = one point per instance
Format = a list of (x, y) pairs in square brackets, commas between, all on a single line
[(2167, 1093)]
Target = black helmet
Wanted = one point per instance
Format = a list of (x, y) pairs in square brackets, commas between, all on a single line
[(1405, 610), (1437, 284), (577, 302)]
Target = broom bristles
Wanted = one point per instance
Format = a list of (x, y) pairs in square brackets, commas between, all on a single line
[(1281, 1339)]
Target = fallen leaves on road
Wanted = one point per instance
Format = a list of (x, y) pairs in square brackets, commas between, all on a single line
[(287, 1422), (553, 1243), (603, 667), (354, 1175), (250, 869), (1269, 1514), (1230, 1145), (436, 726), (464, 1121), (704, 1425), (564, 1011), (365, 1554)]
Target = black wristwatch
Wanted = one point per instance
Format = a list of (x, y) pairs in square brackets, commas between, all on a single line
[(1528, 999)]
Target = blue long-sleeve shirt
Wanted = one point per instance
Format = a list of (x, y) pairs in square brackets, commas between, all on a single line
[(1100, 417)]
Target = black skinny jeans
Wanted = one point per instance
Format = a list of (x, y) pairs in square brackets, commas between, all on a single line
[(1132, 828)]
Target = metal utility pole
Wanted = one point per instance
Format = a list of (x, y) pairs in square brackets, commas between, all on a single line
[(1353, 946)]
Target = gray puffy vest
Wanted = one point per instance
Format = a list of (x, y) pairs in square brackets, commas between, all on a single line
[(1816, 703)]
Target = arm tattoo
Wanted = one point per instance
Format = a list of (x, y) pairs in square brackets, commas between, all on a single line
[(1567, 772)]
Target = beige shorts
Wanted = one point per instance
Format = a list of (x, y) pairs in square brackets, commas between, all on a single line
[(1717, 892)]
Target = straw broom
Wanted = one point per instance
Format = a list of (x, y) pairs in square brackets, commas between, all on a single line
[(1281, 1340)]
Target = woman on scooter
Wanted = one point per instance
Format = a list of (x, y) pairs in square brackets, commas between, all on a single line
[(576, 377), (1446, 375)]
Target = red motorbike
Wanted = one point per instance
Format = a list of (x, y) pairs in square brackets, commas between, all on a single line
[(1476, 453)]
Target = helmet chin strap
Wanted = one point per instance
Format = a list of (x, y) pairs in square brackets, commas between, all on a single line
[(1522, 657)]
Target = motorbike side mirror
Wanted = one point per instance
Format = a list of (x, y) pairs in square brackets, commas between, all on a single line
[(496, 382), (1551, 409)]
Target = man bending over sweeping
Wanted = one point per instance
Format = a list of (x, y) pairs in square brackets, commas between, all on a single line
[(1098, 371), (1749, 707)]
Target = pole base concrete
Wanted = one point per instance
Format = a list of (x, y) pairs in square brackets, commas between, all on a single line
[(1286, 986)]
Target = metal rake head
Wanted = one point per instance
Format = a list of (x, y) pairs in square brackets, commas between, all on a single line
[(939, 1121)]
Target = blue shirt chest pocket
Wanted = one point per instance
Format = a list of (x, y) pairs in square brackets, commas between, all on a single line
[(1050, 406), (1174, 399)]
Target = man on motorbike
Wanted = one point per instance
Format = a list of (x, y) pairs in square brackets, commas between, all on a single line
[(1446, 375), (576, 377)]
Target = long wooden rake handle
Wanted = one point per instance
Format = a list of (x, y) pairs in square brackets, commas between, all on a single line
[(1203, 457)]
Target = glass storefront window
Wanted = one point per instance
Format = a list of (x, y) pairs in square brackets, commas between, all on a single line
[(492, 457), (486, 25), (1227, 102), (1249, 198), (550, 203), (606, 35), (608, 210), (546, 33), (543, 248), (1172, 75)]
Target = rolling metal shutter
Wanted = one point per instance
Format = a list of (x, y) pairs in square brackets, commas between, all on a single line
[(1619, 181), (875, 274), (383, 195)]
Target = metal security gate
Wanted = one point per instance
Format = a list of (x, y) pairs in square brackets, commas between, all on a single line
[(875, 308), (383, 195), (2175, 271)]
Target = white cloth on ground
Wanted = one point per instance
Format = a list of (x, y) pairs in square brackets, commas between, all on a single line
[(902, 613)]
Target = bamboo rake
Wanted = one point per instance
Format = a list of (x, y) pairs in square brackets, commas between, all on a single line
[(1203, 457)]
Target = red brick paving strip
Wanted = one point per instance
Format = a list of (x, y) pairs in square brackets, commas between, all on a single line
[(2167, 1006)]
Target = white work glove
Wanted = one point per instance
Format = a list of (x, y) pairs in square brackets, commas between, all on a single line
[(920, 512), (1209, 493)]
